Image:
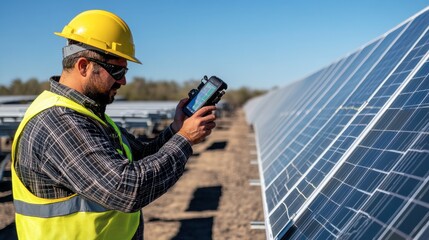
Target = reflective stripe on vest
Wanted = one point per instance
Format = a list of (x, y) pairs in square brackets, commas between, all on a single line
[(72, 217), (73, 205)]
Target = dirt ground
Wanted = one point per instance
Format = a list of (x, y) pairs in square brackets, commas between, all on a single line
[(212, 200)]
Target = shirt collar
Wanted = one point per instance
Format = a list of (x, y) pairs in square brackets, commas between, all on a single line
[(76, 96)]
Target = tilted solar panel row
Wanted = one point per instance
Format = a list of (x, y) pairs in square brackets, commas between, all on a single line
[(344, 152)]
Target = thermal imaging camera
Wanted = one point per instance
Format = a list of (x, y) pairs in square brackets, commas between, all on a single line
[(209, 92)]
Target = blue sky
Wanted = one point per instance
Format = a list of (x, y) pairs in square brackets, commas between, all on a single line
[(257, 44)]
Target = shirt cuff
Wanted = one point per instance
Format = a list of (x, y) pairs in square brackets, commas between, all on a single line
[(183, 144), (178, 134)]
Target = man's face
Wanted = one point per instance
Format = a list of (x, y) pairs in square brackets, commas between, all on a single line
[(102, 87)]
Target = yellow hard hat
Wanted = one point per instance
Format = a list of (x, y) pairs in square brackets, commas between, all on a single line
[(102, 30)]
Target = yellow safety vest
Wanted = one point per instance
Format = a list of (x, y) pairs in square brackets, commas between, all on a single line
[(72, 217)]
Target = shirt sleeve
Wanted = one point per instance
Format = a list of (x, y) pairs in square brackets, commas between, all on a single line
[(141, 149), (81, 156)]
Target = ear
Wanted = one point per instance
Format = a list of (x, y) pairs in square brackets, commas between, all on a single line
[(82, 65)]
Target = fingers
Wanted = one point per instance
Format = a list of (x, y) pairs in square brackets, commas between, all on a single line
[(204, 111), (204, 136), (209, 125), (207, 117), (197, 127), (206, 130), (182, 103)]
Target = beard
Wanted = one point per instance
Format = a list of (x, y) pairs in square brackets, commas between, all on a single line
[(100, 97)]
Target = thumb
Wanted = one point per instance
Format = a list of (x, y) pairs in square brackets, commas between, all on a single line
[(182, 102)]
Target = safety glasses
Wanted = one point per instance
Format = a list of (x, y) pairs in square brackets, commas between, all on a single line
[(117, 72)]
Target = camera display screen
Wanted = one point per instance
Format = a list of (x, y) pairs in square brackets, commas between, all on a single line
[(206, 92)]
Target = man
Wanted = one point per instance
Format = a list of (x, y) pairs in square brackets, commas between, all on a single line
[(76, 175)]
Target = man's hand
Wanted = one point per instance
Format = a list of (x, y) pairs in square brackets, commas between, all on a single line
[(197, 127), (179, 116)]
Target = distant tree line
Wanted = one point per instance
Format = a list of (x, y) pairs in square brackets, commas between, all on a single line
[(139, 89), (18, 87)]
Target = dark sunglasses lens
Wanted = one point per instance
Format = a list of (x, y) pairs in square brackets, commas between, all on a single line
[(118, 72)]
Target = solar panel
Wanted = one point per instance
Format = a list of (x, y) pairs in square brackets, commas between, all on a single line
[(344, 152)]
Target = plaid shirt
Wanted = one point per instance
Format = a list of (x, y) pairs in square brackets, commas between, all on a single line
[(62, 152)]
